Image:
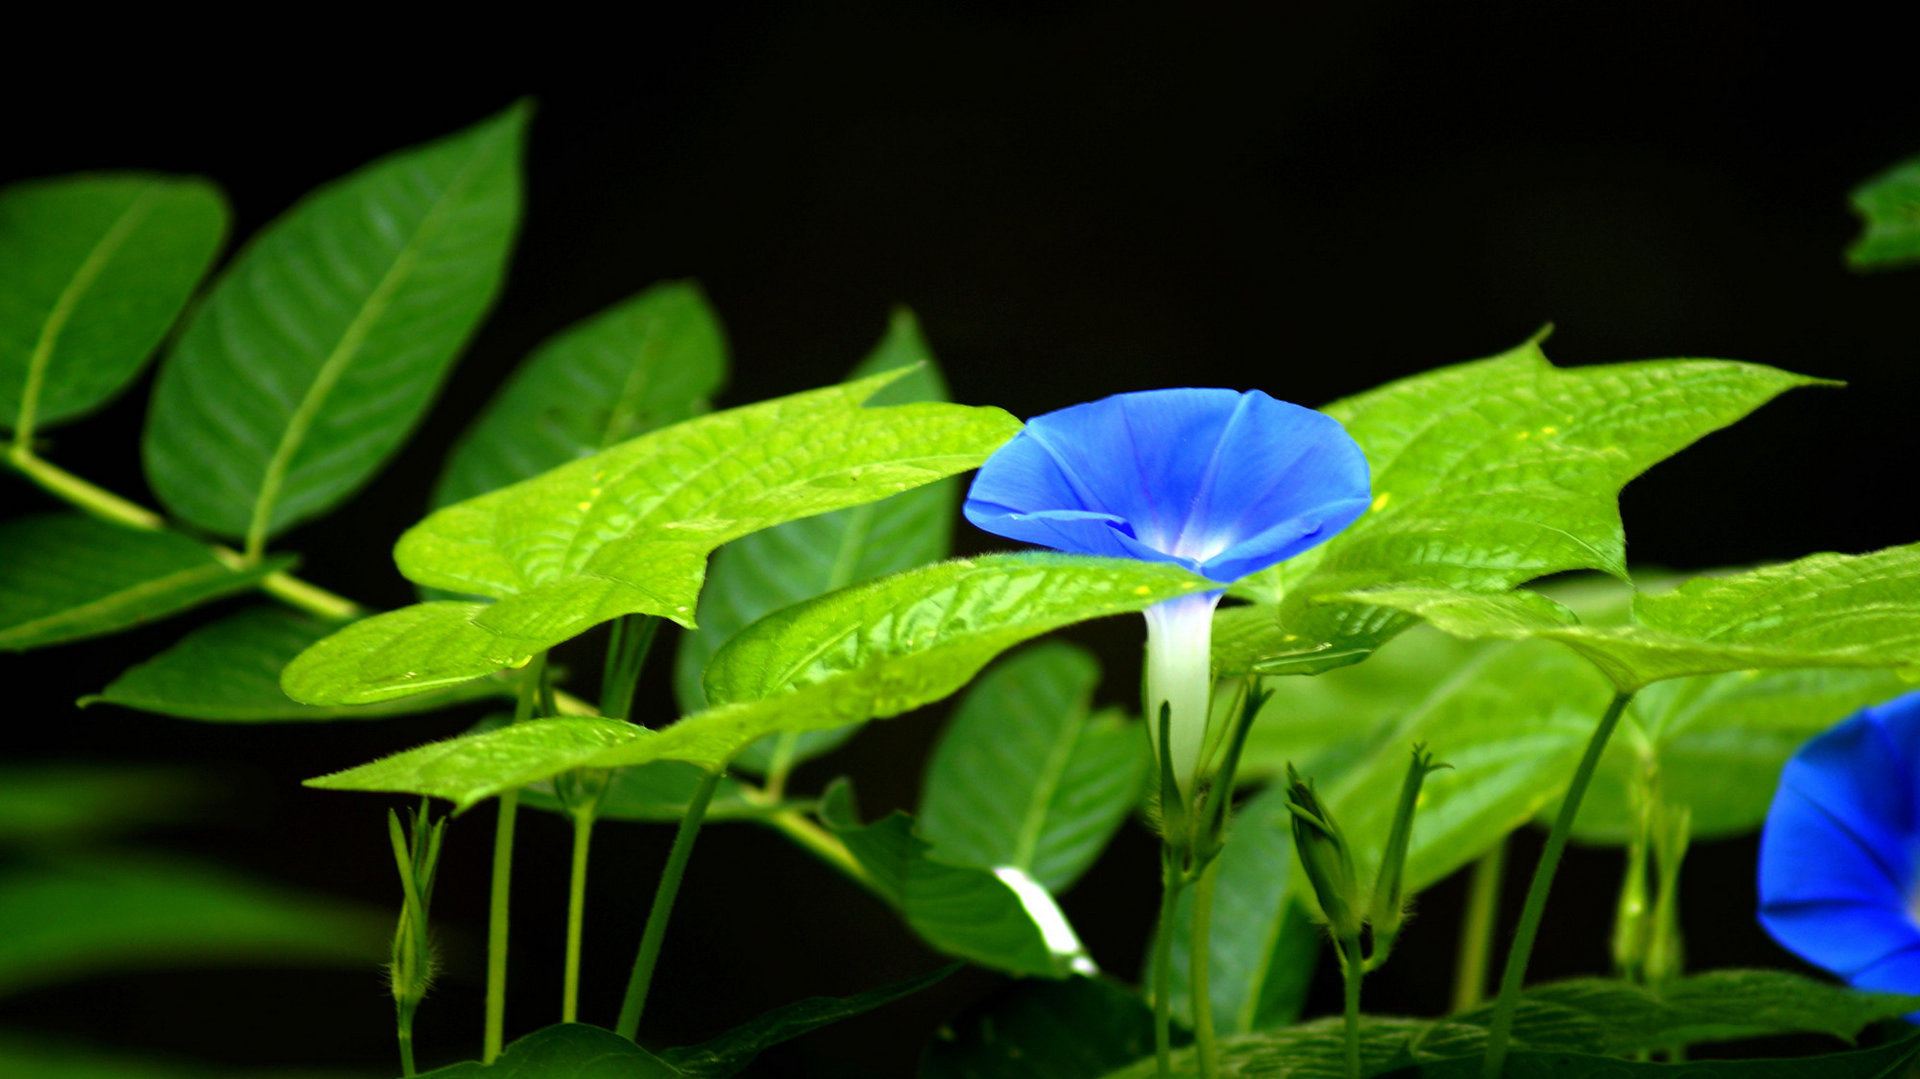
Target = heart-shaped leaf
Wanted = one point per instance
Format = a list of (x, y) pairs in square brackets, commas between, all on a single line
[(1889, 205)]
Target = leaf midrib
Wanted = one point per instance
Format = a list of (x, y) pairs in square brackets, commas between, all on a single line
[(344, 352), (90, 269), (1034, 819), (145, 589)]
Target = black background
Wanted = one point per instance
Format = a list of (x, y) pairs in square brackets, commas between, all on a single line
[(1077, 199)]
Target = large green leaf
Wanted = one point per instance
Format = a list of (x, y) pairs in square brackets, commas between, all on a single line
[(628, 530), (77, 917), (872, 650), (324, 342), (93, 269), (728, 1054), (47, 804), (1023, 778), (766, 570), (65, 577), (1889, 204), (229, 672), (1076, 1028), (996, 919), (565, 1051), (1487, 475), (649, 361), (1824, 610)]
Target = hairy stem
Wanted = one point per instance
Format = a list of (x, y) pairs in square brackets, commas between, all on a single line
[(643, 963), (1536, 904), (497, 928), (1352, 970), (1476, 927), (1163, 967), (1197, 974)]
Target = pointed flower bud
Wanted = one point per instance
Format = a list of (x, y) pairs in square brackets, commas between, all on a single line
[(1389, 895), (1324, 855), (417, 855)]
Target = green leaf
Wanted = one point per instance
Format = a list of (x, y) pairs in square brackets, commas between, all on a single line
[(1077, 1028), (229, 672), (1825, 610), (652, 360), (628, 530), (1889, 204), (325, 340), (726, 1055), (999, 919), (44, 804), (1492, 473), (565, 1051), (797, 560), (824, 663), (65, 577), (1263, 948), (1023, 778), (77, 917), (93, 269), (1567, 1028)]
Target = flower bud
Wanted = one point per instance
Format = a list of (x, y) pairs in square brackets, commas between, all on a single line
[(1325, 857), (1389, 897)]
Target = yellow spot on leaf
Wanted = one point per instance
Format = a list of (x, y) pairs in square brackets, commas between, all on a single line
[(1142, 590), (585, 506), (1523, 435), (1380, 500), (1549, 430)]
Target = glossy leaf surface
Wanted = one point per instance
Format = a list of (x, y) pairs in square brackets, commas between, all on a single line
[(229, 672), (64, 577), (766, 570), (1889, 204), (813, 666), (647, 362), (323, 343), (659, 791), (628, 530), (1023, 777), (93, 269), (1486, 475)]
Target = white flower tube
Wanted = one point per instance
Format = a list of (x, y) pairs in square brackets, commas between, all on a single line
[(1180, 674)]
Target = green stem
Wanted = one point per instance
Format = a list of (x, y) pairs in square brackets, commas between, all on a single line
[(576, 913), (823, 845), (497, 928), (626, 653), (406, 1041), (108, 506), (1352, 970), (1476, 927), (1163, 966), (1197, 975), (1536, 904), (656, 931)]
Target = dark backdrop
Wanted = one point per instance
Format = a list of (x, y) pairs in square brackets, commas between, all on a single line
[(1077, 199)]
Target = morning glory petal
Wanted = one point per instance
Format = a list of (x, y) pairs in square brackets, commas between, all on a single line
[(1838, 880)]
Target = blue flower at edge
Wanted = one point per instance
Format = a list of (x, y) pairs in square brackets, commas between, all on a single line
[(1223, 483), (1840, 852)]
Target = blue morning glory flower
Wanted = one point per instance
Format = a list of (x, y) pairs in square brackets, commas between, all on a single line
[(1840, 854), (1223, 483)]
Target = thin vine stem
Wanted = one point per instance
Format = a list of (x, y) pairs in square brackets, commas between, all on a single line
[(1163, 967), (1536, 904), (1197, 974), (576, 913), (1476, 927), (636, 999), (1352, 970), (532, 681)]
